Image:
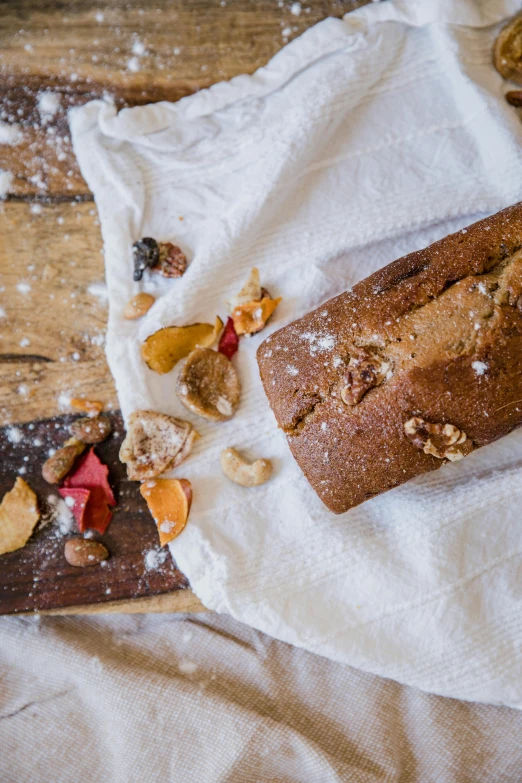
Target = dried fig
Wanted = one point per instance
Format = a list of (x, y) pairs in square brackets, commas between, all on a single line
[(208, 385)]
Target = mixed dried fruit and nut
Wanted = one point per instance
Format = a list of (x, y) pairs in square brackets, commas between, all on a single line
[(207, 385), (507, 57)]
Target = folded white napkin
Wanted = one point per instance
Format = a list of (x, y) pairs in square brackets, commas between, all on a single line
[(364, 139)]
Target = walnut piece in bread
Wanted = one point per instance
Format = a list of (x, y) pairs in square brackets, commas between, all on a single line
[(447, 321)]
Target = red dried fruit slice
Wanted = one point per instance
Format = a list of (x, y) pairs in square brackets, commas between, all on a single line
[(91, 473), (80, 497), (90, 476), (229, 342)]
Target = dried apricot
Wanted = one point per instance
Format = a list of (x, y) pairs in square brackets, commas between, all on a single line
[(169, 503), (163, 349), (251, 317)]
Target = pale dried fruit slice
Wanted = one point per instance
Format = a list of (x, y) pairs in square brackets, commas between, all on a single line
[(154, 443), (163, 349), (90, 407), (251, 291), (81, 552), (208, 385), (138, 306), (169, 503), (507, 53), (18, 517), (251, 317)]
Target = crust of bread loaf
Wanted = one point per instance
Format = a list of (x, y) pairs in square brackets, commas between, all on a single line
[(446, 320)]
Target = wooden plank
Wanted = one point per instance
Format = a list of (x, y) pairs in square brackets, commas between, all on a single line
[(134, 51), (52, 335), (38, 576), (180, 601)]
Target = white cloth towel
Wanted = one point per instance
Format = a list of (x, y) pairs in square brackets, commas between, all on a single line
[(364, 139)]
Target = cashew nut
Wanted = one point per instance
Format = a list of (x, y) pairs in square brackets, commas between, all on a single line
[(248, 474)]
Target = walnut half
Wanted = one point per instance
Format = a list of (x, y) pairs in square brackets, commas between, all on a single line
[(439, 440), (365, 370)]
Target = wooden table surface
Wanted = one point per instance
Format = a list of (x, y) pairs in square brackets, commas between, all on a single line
[(51, 264)]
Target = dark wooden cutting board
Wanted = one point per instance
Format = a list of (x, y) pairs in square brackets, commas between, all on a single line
[(38, 577)]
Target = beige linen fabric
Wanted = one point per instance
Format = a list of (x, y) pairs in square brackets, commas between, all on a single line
[(182, 699)]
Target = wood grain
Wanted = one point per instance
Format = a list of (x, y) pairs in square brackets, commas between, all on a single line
[(53, 330), (83, 50), (38, 576)]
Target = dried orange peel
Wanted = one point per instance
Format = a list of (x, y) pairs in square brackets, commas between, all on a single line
[(18, 517), (252, 316), (90, 407), (169, 503), (164, 349)]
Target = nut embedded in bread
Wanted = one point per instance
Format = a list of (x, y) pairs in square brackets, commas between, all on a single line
[(372, 386)]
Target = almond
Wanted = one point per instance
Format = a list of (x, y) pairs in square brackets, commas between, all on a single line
[(138, 306), (81, 552), (60, 463), (91, 430)]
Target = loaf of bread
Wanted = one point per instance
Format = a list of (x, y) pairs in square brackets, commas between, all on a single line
[(418, 365)]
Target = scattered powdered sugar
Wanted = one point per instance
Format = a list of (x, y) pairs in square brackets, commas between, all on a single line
[(9, 134), (187, 667), (14, 435), (133, 64), (337, 361), (154, 558), (482, 288), (224, 406), (479, 367), (318, 343), (69, 502), (292, 370), (296, 9), (6, 179), (60, 514), (3, 314), (99, 290), (139, 48), (166, 526), (64, 401), (23, 288), (24, 342), (48, 104)]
